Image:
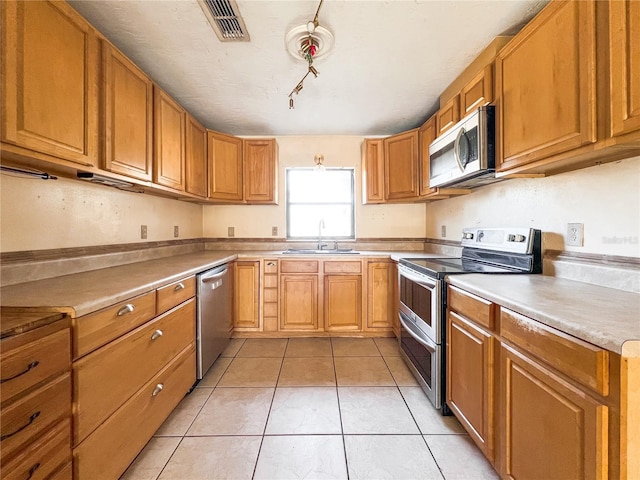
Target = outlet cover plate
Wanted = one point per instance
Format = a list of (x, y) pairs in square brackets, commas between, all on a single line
[(231, 231), (575, 234), (274, 231), (143, 232), (176, 231)]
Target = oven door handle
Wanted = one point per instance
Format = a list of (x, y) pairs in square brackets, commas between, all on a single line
[(425, 342), (422, 280)]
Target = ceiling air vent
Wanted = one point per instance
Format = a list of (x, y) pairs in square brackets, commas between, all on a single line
[(224, 17)]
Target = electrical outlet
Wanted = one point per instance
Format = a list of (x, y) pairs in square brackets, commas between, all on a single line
[(443, 231), (274, 231), (176, 231), (575, 234), (231, 231), (143, 232)]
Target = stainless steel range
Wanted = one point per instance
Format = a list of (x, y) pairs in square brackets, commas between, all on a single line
[(423, 301)]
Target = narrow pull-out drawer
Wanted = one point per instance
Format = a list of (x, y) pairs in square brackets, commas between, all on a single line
[(43, 457), (104, 380), (108, 451), (579, 360), (22, 421), (25, 366), (175, 293), (99, 328), (471, 306), (270, 266)]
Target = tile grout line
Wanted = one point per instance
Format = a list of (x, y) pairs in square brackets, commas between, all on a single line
[(344, 443), (264, 431)]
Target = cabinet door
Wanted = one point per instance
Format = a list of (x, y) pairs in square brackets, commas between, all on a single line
[(372, 171), (128, 116), (426, 135), (545, 81), (624, 53), (169, 129), (380, 282), (298, 302), (470, 379), (401, 166), (260, 171), (246, 296), (343, 303), (50, 80), (225, 167), (478, 92), (550, 429), (196, 161), (448, 115)]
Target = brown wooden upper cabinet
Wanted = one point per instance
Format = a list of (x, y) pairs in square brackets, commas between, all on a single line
[(50, 82), (426, 135), (242, 171), (448, 115), (128, 116), (478, 92), (401, 166), (373, 171), (196, 158), (169, 133), (624, 54), (225, 167), (260, 171)]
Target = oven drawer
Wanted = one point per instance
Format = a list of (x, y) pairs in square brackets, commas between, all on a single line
[(475, 308)]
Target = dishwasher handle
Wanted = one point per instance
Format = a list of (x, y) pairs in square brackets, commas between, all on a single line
[(214, 274)]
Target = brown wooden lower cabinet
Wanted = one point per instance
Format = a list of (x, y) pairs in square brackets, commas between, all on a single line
[(299, 302), (470, 379), (540, 404), (246, 315), (342, 303), (549, 428)]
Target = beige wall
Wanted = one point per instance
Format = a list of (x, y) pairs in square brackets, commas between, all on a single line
[(37, 214), (605, 198), (372, 221)]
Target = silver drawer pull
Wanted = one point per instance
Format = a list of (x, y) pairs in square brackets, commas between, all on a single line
[(156, 334), (157, 390), (128, 308), (270, 264), (179, 287)]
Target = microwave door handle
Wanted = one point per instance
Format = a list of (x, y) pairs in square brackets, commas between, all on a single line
[(456, 149)]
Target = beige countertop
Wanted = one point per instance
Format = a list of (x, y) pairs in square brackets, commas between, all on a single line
[(86, 292), (605, 317)]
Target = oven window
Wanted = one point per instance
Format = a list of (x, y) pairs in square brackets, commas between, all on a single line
[(419, 356), (417, 299)]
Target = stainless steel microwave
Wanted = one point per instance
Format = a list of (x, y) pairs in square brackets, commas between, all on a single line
[(464, 156)]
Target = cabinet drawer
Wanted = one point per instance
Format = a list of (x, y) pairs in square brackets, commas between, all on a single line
[(25, 366), (581, 361), (342, 267), (104, 380), (270, 310), (299, 266), (175, 293), (42, 457), (108, 451), (270, 295), (270, 266), (475, 308), (25, 419), (96, 329), (270, 281)]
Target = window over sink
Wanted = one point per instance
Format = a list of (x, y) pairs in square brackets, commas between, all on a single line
[(320, 203)]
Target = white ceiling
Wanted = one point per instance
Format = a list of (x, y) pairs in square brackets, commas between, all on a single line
[(391, 60)]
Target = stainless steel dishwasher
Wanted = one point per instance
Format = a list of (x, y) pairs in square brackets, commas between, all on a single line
[(213, 323)]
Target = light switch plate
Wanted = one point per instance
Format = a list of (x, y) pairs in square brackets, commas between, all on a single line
[(274, 231), (231, 232)]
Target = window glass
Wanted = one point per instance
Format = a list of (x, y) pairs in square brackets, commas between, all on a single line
[(320, 203)]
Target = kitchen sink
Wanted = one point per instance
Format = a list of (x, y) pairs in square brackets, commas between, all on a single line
[(311, 251)]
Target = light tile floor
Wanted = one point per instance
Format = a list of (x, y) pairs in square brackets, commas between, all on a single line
[(312, 408)]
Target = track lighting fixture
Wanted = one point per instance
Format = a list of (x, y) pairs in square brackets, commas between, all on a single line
[(308, 42)]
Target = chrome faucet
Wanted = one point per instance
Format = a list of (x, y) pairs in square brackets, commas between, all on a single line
[(320, 227)]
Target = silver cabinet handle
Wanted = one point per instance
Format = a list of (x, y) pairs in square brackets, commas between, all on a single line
[(179, 287), (156, 334), (157, 390), (270, 264), (128, 308)]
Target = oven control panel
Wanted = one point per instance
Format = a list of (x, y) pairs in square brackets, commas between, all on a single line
[(515, 240)]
